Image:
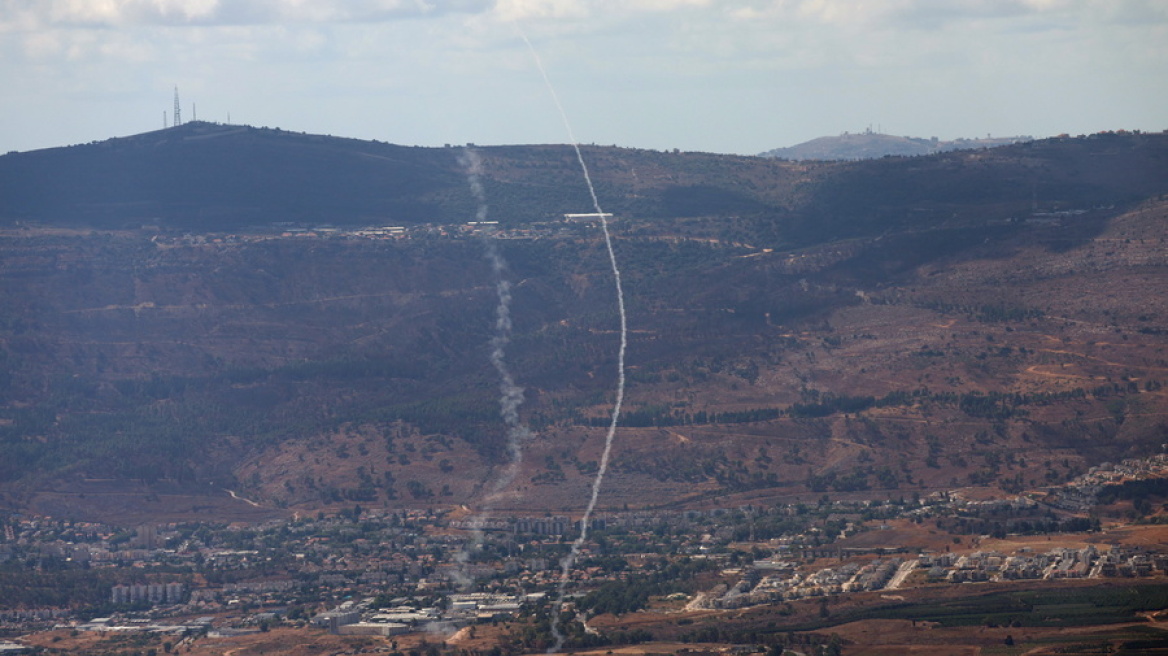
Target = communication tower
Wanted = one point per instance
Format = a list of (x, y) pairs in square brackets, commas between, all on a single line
[(177, 109)]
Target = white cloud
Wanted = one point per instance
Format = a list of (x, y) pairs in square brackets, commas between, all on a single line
[(125, 13), (40, 46), (935, 14), (121, 12), (524, 10), (924, 14), (578, 9)]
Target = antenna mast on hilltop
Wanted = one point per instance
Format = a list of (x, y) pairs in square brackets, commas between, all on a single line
[(177, 109)]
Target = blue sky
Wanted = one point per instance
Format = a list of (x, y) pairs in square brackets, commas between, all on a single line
[(734, 76)]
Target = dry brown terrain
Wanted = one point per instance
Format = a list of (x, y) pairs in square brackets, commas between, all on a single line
[(293, 642), (1089, 324)]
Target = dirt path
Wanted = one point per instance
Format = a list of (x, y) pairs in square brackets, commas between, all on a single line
[(906, 568), (243, 499)]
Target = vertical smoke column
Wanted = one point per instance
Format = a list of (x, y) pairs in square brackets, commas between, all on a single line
[(511, 395), (570, 559)]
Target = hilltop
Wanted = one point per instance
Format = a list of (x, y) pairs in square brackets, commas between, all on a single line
[(988, 318), (872, 145)]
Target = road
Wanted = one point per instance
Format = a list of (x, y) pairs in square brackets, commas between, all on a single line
[(901, 574)]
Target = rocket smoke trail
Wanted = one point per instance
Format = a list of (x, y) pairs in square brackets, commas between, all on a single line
[(511, 394), (570, 559)]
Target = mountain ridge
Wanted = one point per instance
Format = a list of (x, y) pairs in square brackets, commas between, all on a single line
[(209, 177)]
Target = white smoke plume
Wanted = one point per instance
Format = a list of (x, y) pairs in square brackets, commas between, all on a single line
[(570, 560), (511, 395)]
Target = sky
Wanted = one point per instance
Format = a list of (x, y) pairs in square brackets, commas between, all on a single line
[(729, 76)]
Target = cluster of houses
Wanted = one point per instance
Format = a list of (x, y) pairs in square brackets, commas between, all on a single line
[(154, 593), (19, 617), (144, 625), (406, 616), (1061, 563), (787, 584), (1080, 494), (770, 581), (286, 230)]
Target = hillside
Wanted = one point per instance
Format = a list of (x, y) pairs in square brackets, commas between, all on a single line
[(872, 328)]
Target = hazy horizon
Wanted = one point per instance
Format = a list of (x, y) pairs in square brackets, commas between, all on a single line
[(733, 77)]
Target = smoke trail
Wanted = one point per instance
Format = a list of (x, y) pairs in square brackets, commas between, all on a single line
[(570, 559), (511, 395), (470, 160)]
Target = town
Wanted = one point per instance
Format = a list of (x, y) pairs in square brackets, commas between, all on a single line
[(389, 573)]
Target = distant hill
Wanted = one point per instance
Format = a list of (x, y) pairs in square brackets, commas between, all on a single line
[(871, 145), (210, 176), (206, 176), (227, 178)]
